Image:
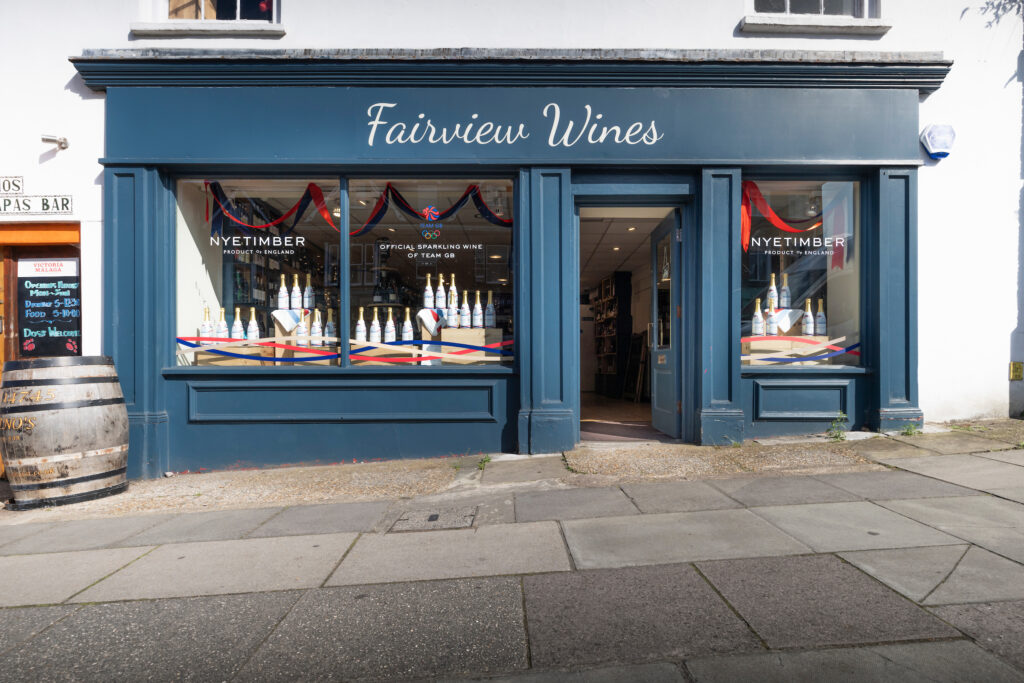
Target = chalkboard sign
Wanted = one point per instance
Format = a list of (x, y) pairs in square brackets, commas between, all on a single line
[(49, 308)]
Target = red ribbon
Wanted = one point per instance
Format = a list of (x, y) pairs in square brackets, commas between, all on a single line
[(314, 192), (751, 192)]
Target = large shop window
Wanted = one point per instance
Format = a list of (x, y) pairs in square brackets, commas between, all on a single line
[(260, 280), (801, 273), (430, 276)]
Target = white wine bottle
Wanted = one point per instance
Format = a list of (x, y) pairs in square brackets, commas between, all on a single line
[(773, 296), (757, 322), (308, 295), (330, 330), (807, 320), (316, 330), (375, 328), (282, 296), (489, 318), (252, 331), (772, 322), (428, 294), (222, 329), (296, 300), (478, 312), (206, 327), (820, 324), (360, 327), (389, 328), (440, 298), (785, 300), (302, 330), (407, 327), (465, 317), (453, 293), (452, 314), (237, 331)]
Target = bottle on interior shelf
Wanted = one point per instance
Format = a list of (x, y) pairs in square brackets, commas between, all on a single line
[(773, 295), (440, 300), (820, 324), (330, 330), (296, 299), (465, 316), (453, 294), (282, 296), (452, 314), (478, 312), (489, 319), (428, 294), (206, 327), (237, 331), (757, 322), (375, 328), (308, 295), (222, 328), (360, 327), (407, 327), (316, 330), (807, 320), (252, 331), (389, 328), (785, 300), (302, 329)]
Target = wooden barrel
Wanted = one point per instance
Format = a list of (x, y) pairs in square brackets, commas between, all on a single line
[(63, 430)]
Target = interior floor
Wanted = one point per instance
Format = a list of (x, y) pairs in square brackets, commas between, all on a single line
[(613, 419)]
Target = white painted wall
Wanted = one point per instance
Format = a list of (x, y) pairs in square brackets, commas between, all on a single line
[(968, 204)]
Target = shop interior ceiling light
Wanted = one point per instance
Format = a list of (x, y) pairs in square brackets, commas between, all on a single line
[(62, 143), (938, 139)]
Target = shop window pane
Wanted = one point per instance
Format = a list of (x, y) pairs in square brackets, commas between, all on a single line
[(223, 10), (805, 6), (848, 8), (801, 251), (237, 241), (256, 10), (773, 6), (664, 338), (410, 235)]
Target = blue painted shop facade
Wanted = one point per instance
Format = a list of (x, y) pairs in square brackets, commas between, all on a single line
[(568, 134)]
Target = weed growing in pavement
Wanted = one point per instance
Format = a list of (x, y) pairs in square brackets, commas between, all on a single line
[(969, 428), (910, 430), (483, 462), (1020, 444), (836, 431), (565, 461)]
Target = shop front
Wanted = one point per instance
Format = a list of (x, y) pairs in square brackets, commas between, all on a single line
[(333, 259)]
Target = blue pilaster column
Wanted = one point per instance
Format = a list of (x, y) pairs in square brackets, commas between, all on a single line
[(892, 310), (720, 418), (548, 329)]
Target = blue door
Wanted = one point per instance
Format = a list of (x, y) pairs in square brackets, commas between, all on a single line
[(665, 329)]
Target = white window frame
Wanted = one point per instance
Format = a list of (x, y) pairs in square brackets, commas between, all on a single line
[(869, 24), (155, 23)]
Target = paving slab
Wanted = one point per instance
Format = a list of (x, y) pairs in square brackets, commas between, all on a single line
[(84, 534), (1002, 540), (831, 527), (12, 532), (18, 624), (1015, 494), (674, 537), (972, 471), (200, 639), (535, 506), (949, 662), (976, 511), (491, 507), (981, 577), (532, 469), (397, 631), (952, 443), (914, 572), (1014, 457), (879, 449), (221, 567), (482, 551), (55, 577), (998, 627), (893, 484), (818, 600), (662, 672), (435, 518), (628, 615), (782, 491), (677, 496), (216, 525), (305, 520)]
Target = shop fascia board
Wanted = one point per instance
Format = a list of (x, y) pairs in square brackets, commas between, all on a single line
[(922, 71)]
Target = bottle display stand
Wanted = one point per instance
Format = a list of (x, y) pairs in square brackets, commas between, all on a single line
[(758, 350)]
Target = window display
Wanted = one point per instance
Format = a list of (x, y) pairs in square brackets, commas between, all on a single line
[(439, 253), (261, 256), (801, 259)]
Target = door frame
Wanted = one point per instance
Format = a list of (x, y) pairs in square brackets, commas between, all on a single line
[(645, 189)]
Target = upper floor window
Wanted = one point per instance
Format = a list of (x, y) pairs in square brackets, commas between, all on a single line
[(810, 17), (862, 9), (206, 18), (222, 10)]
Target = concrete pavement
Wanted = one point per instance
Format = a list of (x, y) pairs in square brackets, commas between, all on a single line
[(909, 574)]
